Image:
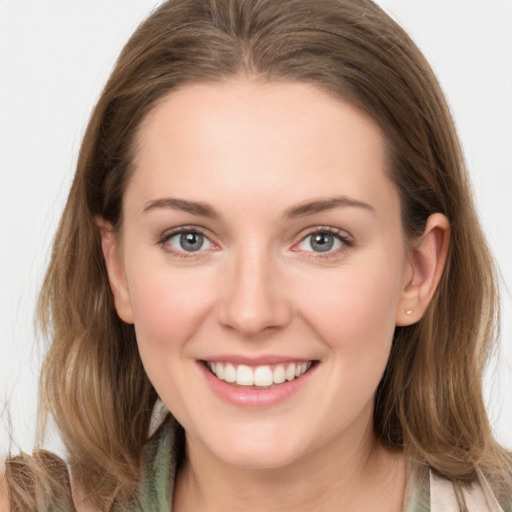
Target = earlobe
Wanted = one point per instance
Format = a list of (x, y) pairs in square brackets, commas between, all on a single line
[(115, 270), (427, 261)]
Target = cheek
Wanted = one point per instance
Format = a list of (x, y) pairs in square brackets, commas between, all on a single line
[(169, 305), (353, 313), (354, 307)]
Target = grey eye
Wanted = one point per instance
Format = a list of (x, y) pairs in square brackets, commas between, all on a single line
[(189, 241), (320, 242)]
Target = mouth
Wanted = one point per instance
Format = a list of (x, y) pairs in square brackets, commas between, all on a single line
[(258, 377)]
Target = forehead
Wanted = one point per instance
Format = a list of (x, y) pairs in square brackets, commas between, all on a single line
[(244, 138)]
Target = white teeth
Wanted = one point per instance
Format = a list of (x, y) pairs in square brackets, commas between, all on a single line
[(279, 374), (229, 373), (263, 376), (290, 372), (244, 376), (260, 376)]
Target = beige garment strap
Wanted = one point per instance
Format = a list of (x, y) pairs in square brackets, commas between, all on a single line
[(478, 497), (158, 416)]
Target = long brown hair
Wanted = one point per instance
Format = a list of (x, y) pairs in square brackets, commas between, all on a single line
[(429, 403)]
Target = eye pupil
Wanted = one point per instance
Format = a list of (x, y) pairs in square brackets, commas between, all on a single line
[(191, 241), (322, 242)]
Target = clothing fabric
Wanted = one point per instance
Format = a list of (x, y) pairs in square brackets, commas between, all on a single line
[(160, 464), (476, 497)]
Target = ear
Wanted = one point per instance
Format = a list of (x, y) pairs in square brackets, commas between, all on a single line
[(427, 259), (115, 270)]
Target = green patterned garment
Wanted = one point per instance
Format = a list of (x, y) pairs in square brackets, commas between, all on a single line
[(160, 464)]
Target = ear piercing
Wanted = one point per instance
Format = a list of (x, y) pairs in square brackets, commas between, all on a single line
[(408, 311)]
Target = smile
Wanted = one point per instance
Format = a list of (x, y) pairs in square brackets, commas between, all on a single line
[(259, 376)]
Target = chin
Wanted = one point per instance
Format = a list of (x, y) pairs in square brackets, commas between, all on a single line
[(258, 452), (259, 459)]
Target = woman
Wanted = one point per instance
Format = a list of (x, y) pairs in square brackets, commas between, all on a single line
[(269, 231)]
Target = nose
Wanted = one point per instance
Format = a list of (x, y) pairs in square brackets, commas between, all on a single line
[(254, 299)]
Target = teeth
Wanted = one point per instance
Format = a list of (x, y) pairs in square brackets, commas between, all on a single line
[(229, 373), (260, 376), (290, 372), (263, 376), (244, 375), (279, 375)]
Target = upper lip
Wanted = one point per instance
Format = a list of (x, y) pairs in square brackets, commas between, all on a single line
[(254, 361)]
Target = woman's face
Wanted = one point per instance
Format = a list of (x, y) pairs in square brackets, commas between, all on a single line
[(262, 240)]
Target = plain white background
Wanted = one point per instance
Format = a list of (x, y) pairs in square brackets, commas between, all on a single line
[(56, 55)]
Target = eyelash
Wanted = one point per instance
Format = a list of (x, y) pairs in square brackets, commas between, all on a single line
[(340, 235)]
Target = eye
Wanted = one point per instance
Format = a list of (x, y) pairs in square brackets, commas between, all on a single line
[(185, 241), (323, 241)]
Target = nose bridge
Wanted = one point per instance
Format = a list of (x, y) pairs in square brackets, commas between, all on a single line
[(255, 300)]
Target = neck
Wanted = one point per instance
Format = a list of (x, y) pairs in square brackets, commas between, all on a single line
[(341, 476)]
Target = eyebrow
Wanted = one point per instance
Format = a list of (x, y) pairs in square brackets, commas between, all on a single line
[(322, 205), (192, 207), (301, 210)]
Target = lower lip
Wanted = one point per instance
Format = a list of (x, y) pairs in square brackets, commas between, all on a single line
[(252, 397)]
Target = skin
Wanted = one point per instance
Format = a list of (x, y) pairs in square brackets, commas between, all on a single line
[(4, 493), (253, 152)]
